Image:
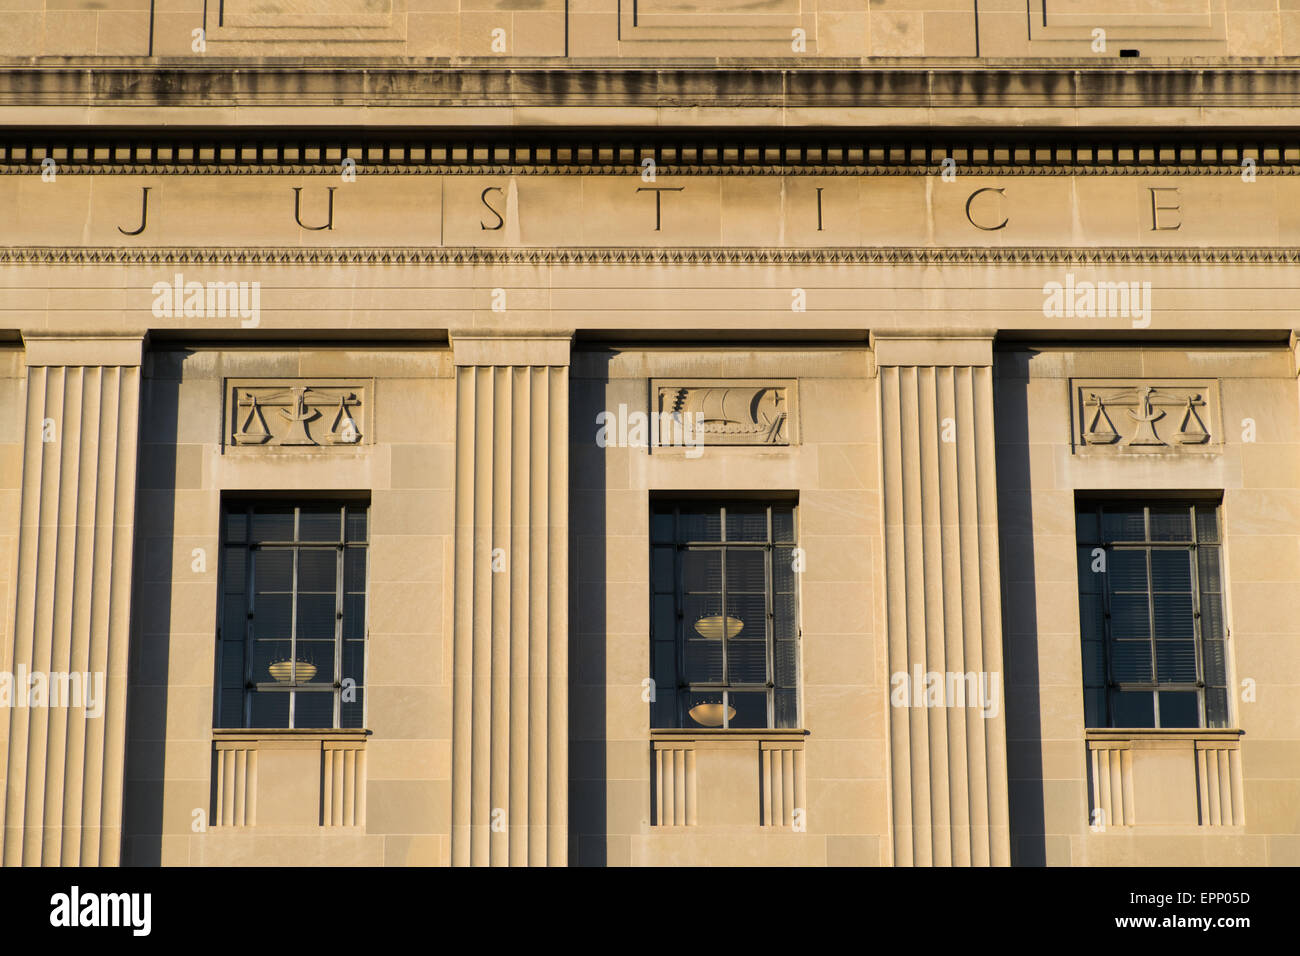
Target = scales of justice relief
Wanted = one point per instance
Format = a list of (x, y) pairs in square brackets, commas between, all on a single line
[(299, 406), (1144, 406)]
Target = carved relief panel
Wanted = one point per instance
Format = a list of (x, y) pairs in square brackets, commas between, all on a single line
[(726, 411), (1146, 415), (303, 413)]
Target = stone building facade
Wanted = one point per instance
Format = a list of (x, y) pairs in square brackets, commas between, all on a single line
[(649, 432)]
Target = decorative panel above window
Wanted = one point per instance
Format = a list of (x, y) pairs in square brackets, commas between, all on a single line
[(297, 413), (725, 412), (724, 615), (292, 635), (1151, 615), (1147, 416)]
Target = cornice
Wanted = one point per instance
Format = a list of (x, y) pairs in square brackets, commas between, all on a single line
[(890, 255), (477, 82)]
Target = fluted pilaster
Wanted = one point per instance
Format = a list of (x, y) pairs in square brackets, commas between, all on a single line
[(63, 799), (510, 681), (947, 761)]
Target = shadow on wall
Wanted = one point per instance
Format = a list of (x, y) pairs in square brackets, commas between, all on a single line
[(151, 602), (1019, 614), (588, 770)]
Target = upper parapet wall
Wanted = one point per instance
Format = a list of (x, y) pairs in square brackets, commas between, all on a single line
[(652, 29)]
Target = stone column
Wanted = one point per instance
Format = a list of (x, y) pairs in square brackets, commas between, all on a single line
[(510, 726), (64, 767), (948, 762)]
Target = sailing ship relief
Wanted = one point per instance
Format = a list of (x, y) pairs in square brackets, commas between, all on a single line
[(731, 412), (1149, 415)]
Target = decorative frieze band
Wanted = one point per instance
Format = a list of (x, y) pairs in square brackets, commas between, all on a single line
[(479, 255)]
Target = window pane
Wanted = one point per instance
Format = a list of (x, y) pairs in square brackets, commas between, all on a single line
[(316, 616), (703, 613), (784, 625), (1171, 570), (1125, 524), (783, 573), (661, 571), (315, 710), (232, 665), (704, 709), (1094, 707), (1127, 570), (1132, 709), (661, 526), (786, 658), (746, 523), (1179, 709), (270, 709), (236, 527), (354, 661), (1173, 614), (1171, 524), (751, 611), (746, 570), (1176, 662), (320, 524), (663, 624), (751, 709), (354, 616), (265, 655), (234, 573), (273, 616), (1216, 663), (1092, 617), (317, 569), (1131, 663), (1086, 528), (1207, 525), (665, 665), (700, 524), (273, 569), (1092, 568), (273, 524), (1129, 616), (702, 571), (1216, 707), (1094, 664), (746, 662), (354, 569), (232, 708), (1212, 616), (783, 524), (787, 709), (352, 711), (1208, 560), (356, 523), (318, 655), (704, 662)]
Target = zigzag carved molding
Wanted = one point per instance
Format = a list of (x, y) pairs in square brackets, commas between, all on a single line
[(894, 255)]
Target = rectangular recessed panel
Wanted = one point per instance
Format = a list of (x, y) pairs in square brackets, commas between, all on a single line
[(1146, 13), (306, 13)]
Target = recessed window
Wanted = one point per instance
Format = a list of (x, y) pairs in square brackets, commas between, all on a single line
[(1151, 615), (292, 639), (724, 622)]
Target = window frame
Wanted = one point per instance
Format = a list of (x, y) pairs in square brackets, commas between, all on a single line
[(1195, 546), (770, 687), (251, 548)]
